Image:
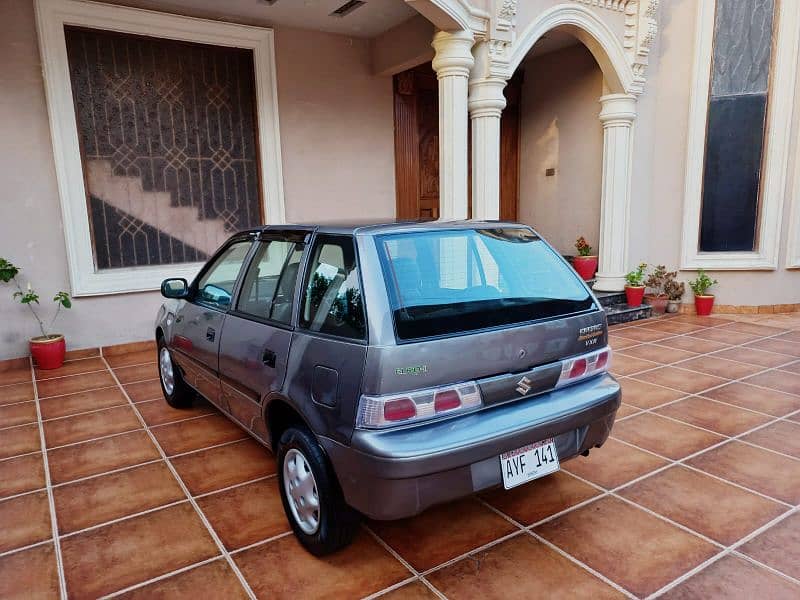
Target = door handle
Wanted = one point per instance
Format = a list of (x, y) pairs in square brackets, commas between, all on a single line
[(269, 358), (210, 333)]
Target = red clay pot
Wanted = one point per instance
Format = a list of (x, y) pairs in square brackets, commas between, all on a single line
[(703, 305), (659, 303), (48, 352), (634, 295), (586, 266)]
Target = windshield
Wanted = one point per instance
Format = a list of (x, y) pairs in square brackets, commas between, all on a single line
[(450, 281)]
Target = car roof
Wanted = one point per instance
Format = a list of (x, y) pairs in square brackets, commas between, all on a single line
[(373, 227)]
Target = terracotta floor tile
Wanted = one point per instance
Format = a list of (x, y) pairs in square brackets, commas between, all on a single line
[(756, 329), (132, 358), (725, 335), (18, 392), (760, 470), (626, 410), (641, 334), (646, 395), (718, 510), (619, 343), (674, 327), (19, 440), (708, 414), (24, 520), (500, 572), (541, 498), (754, 357), (416, 590), (73, 367), (246, 514), (118, 349), (158, 412), (213, 580), (777, 380), (720, 367), (227, 465), (17, 414), (138, 373), (783, 436), (79, 428), (113, 557), (144, 390), (660, 354), (30, 574), (680, 379), (197, 433), (756, 398), (15, 376), (792, 368), (80, 353), (704, 321), (74, 383), (643, 556), (664, 437), (613, 464), (99, 456), (734, 577), (21, 474), (64, 406), (778, 546), (284, 569), (442, 532), (789, 336), (774, 345), (623, 364), (108, 497), (693, 344)]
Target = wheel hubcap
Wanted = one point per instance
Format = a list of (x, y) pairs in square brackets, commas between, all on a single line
[(165, 367), (301, 490)]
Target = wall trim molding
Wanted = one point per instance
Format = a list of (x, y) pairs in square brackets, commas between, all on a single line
[(774, 182), (51, 16)]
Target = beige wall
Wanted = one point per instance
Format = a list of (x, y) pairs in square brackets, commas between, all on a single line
[(337, 146), (560, 129)]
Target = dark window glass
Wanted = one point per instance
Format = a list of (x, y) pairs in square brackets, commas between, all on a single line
[(215, 286), (444, 282), (332, 301), (737, 119), (268, 288)]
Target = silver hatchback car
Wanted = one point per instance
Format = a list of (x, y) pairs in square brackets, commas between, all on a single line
[(391, 367)]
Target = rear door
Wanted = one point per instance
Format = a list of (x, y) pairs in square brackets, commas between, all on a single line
[(254, 348)]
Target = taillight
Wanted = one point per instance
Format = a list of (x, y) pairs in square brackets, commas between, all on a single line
[(586, 365), (412, 407)]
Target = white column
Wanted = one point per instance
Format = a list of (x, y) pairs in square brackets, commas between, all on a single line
[(486, 104), (617, 114), (452, 63)]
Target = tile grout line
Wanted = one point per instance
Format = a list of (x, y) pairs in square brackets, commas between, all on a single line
[(161, 577), (748, 558), (192, 501)]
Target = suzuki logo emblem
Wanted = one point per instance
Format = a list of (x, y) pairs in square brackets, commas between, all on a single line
[(524, 386)]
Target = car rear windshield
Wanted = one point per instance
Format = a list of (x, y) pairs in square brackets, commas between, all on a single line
[(450, 281)]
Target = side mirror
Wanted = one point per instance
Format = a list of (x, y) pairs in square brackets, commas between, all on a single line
[(174, 288)]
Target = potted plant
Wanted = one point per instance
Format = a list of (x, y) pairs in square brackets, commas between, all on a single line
[(586, 262), (48, 349), (674, 290), (657, 298), (634, 288), (703, 302)]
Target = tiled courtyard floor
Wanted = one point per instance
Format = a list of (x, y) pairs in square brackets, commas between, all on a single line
[(695, 496)]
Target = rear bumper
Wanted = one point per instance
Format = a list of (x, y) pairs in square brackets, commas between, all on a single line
[(399, 473)]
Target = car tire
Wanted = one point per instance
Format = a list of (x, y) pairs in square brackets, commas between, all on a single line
[(176, 392), (334, 524)]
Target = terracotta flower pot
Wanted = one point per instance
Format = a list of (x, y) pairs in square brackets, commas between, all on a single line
[(48, 351), (659, 303), (634, 295), (586, 266), (703, 305)]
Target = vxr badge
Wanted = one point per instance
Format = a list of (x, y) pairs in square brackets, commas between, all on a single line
[(524, 386)]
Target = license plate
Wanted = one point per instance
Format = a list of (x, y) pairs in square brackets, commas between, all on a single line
[(529, 462)]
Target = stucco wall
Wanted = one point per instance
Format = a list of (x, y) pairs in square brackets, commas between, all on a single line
[(560, 130), (337, 146)]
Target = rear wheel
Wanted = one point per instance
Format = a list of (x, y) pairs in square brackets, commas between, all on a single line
[(176, 392), (313, 502)]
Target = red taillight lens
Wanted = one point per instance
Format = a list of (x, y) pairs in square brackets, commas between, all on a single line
[(578, 368), (446, 400), (602, 361), (399, 410)]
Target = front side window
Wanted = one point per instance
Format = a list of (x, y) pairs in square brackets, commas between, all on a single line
[(215, 286), (268, 288), (444, 282), (332, 301)]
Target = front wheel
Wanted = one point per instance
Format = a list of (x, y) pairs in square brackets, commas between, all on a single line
[(176, 392), (313, 502)]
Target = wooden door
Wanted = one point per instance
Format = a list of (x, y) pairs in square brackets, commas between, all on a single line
[(416, 137)]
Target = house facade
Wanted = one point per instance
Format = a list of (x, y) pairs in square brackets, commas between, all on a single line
[(139, 134)]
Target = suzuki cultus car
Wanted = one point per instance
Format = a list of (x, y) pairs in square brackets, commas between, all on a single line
[(392, 367)]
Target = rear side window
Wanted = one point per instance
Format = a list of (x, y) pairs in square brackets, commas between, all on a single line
[(268, 288), (451, 281), (332, 301)]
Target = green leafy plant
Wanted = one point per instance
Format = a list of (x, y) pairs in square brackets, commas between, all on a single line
[(583, 248), (636, 278), (28, 296), (702, 283)]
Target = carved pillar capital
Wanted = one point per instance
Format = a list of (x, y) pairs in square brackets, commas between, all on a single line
[(617, 110), (453, 53), (486, 98)]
